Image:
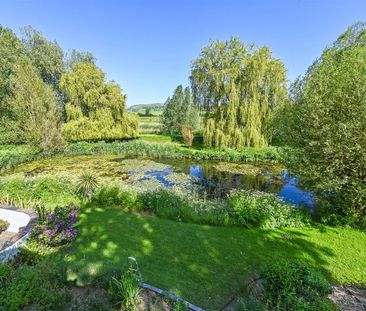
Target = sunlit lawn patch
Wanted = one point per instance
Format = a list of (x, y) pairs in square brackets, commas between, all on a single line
[(204, 264)]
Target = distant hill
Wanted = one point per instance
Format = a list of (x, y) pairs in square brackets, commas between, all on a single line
[(153, 106)]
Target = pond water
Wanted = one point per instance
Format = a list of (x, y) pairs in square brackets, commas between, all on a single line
[(219, 178), (211, 179)]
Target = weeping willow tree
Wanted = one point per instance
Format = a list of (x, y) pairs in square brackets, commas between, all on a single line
[(96, 109), (239, 88)]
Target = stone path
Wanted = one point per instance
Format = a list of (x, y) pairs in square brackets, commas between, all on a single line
[(349, 298), (5, 238)]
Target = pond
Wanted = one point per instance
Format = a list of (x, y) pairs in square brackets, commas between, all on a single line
[(219, 178), (210, 179)]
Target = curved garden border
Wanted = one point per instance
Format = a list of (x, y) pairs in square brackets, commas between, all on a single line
[(19, 238)]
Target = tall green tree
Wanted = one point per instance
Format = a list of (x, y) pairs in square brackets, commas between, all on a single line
[(11, 52), (76, 56), (179, 110), (239, 88), (34, 106), (326, 126), (96, 108), (46, 56)]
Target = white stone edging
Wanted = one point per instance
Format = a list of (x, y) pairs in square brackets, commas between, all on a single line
[(21, 237)]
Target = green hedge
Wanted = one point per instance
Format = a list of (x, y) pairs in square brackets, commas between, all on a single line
[(140, 148)]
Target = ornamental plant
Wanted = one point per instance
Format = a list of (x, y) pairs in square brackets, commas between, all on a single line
[(86, 185), (58, 227)]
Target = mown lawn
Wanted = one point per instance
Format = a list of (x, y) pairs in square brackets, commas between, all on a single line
[(205, 265)]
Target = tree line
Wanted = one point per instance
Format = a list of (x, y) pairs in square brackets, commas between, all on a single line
[(238, 97), (48, 97), (241, 93)]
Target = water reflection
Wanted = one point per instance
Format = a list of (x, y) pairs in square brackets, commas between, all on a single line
[(218, 183)]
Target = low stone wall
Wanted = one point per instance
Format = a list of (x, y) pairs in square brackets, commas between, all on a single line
[(13, 244)]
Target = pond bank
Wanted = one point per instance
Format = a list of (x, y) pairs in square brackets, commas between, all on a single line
[(12, 155), (209, 179)]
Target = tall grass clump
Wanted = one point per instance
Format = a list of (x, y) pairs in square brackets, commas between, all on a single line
[(125, 291), (28, 192)]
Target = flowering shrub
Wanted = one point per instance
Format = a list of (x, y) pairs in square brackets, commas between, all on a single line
[(58, 227), (264, 210)]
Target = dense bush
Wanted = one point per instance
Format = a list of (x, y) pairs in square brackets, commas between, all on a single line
[(41, 285), (290, 285), (12, 155), (58, 227), (163, 203), (140, 148), (264, 210), (242, 208), (3, 225), (326, 128)]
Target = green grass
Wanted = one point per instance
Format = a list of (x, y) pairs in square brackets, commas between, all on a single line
[(154, 138), (153, 112), (205, 265), (50, 191)]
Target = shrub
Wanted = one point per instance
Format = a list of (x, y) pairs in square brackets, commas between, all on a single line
[(243, 208), (326, 128), (125, 291), (86, 185), (114, 195), (5, 271), (41, 285), (180, 306), (3, 225), (58, 228), (293, 285), (188, 135), (260, 209), (286, 286), (11, 155), (150, 149)]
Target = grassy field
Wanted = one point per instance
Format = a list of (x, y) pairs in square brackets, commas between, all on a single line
[(206, 265), (150, 123), (154, 138)]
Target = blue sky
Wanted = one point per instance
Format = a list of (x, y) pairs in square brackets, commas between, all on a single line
[(147, 46)]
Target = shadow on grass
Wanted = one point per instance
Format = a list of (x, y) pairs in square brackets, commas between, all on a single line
[(204, 265)]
